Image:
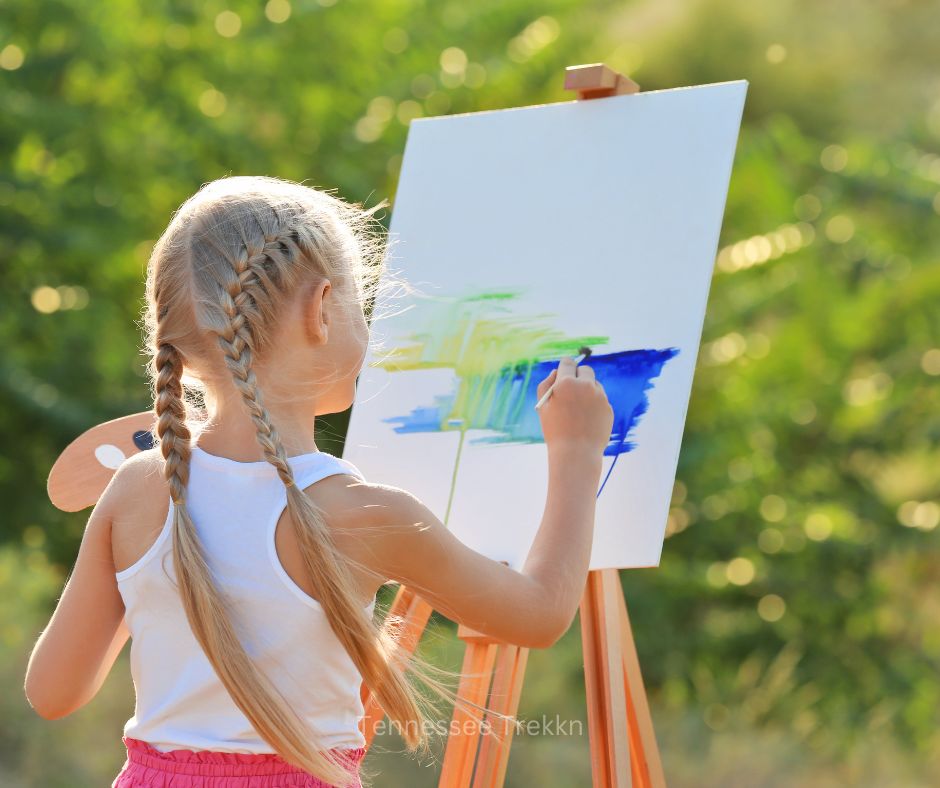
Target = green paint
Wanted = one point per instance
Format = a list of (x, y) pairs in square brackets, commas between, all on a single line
[(478, 336)]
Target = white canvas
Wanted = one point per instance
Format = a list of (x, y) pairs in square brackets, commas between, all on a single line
[(595, 219)]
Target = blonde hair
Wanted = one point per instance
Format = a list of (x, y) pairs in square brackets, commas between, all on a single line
[(216, 281)]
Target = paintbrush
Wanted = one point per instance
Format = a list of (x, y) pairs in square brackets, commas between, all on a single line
[(585, 351)]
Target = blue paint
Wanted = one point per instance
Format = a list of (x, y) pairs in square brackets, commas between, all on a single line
[(508, 406), (143, 439), (429, 418)]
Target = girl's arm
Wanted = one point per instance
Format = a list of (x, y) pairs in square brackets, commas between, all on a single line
[(531, 608), (76, 651)]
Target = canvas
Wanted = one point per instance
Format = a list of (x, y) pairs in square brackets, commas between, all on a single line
[(524, 234)]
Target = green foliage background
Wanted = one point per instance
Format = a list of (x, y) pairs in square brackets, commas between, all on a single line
[(791, 634)]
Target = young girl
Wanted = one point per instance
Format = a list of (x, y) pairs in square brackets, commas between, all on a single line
[(242, 560)]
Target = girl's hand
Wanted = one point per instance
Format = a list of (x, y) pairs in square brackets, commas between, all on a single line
[(578, 413)]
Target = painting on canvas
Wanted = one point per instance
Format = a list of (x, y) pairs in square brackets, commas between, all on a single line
[(524, 234)]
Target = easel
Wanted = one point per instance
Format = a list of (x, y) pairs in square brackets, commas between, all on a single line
[(623, 745)]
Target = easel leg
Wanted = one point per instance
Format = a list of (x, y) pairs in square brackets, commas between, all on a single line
[(604, 682), (464, 733), (415, 612), (642, 734), (504, 699), (484, 657), (623, 745)]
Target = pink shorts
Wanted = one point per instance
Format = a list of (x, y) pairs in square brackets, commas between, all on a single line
[(148, 767)]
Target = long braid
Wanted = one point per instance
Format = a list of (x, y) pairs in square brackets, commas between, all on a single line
[(263, 704), (327, 567), (174, 440)]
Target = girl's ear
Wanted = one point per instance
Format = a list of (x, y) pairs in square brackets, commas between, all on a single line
[(316, 312)]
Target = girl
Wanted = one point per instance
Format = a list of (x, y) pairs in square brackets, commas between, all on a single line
[(242, 560)]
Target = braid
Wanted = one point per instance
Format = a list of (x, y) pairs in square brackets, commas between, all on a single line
[(174, 436), (236, 343), (322, 559), (202, 600)]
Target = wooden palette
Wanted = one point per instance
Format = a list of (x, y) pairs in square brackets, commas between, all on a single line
[(83, 470)]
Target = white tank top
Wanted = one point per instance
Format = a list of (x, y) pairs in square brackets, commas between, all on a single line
[(181, 704)]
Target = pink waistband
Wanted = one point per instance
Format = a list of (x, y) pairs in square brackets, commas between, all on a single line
[(212, 763)]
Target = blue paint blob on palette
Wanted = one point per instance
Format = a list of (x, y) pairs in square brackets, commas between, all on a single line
[(143, 439), (505, 403)]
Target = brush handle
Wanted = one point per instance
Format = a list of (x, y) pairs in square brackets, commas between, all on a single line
[(548, 393)]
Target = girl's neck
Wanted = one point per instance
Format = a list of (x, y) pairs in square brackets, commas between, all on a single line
[(237, 438)]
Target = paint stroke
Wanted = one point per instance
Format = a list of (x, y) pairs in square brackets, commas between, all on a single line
[(478, 335), (499, 357), (505, 403)]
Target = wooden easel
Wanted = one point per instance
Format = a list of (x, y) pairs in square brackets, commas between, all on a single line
[(623, 745)]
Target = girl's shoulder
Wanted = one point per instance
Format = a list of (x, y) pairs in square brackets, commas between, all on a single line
[(355, 501), (137, 500), (362, 514)]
